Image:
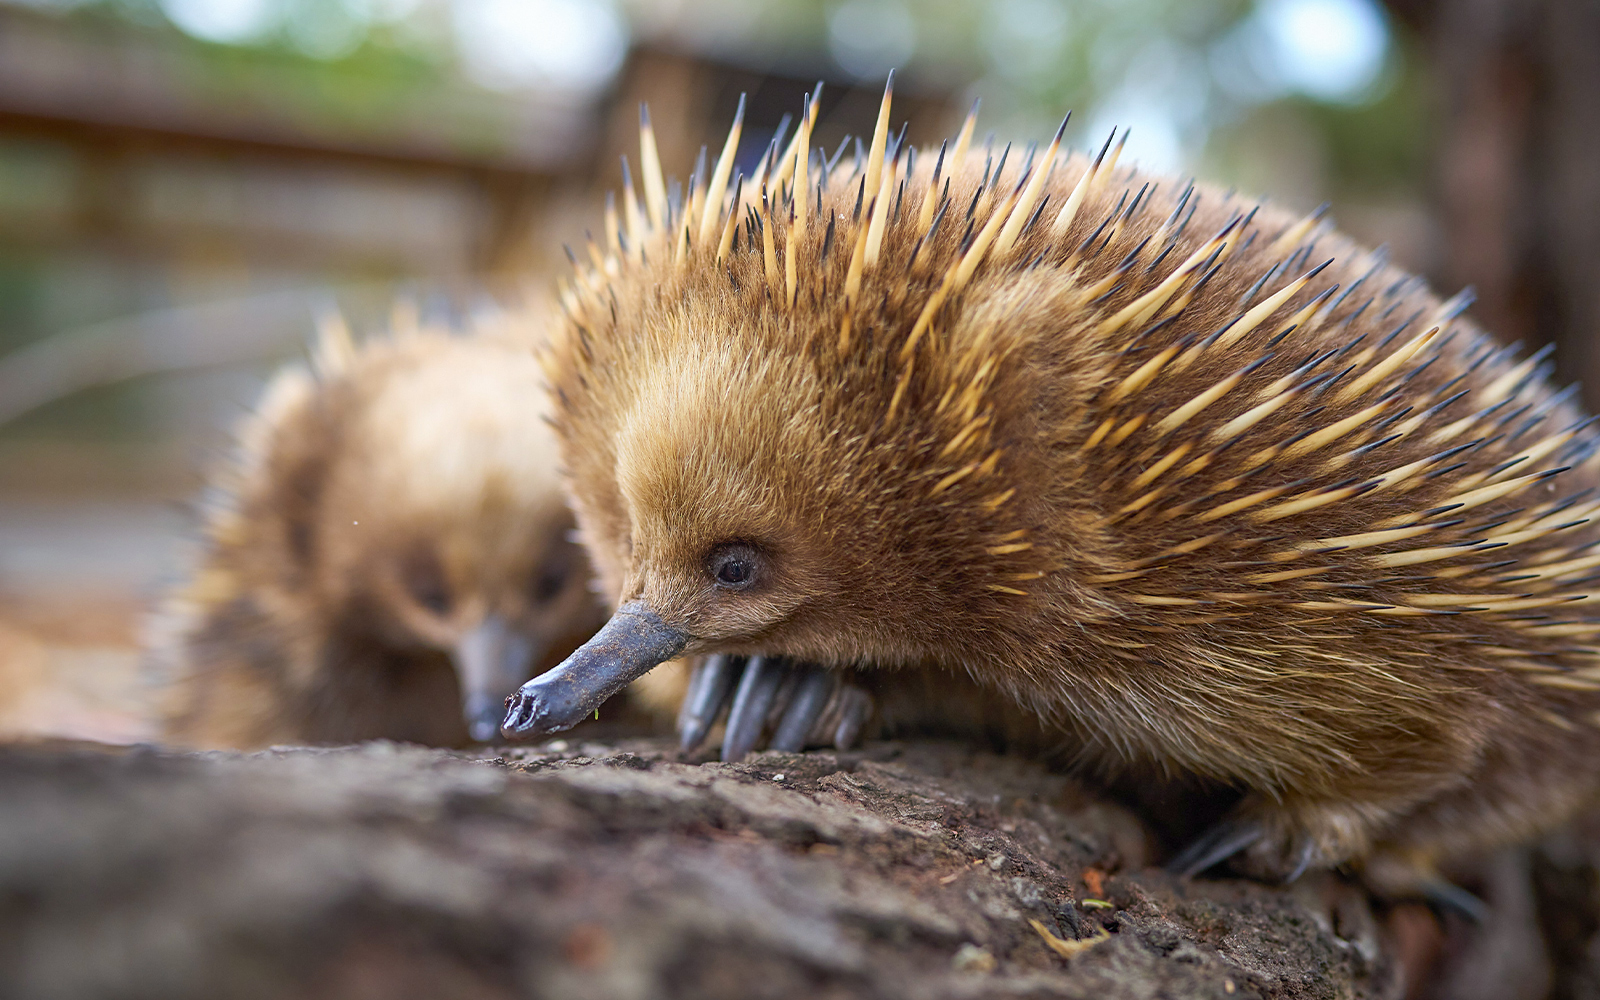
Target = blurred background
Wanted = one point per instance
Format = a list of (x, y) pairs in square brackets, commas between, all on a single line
[(185, 183)]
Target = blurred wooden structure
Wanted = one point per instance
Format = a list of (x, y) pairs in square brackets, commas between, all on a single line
[(137, 141), (1517, 167), (692, 102)]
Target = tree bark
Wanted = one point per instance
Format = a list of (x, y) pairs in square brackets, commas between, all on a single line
[(905, 870)]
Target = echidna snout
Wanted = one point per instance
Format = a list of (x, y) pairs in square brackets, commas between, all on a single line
[(632, 643)]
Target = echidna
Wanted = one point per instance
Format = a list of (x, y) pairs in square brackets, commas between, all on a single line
[(1207, 488), (389, 557)]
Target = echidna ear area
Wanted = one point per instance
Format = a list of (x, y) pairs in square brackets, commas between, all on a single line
[(1272, 428)]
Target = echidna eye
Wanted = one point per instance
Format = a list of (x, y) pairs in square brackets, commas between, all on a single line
[(550, 576), (548, 584), (424, 579), (734, 566)]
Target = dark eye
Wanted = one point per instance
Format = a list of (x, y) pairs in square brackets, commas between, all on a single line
[(563, 557), (548, 583), (734, 567), (424, 580)]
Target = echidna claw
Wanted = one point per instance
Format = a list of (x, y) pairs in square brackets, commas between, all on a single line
[(812, 690), (799, 705), (710, 686), (1215, 846), (757, 689), (1451, 898), (1304, 856), (855, 709)]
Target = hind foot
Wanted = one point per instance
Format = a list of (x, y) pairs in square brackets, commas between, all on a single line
[(1398, 875), (1274, 843)]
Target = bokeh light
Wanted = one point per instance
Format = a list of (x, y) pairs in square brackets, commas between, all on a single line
[(1332, 50), (576, 44), (1025, 39), (870, 37), (227, 21), (1329, 50)]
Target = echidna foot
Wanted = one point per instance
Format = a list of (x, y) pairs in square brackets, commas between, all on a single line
[(1216, 845), (800, 705), (1255, 847), (1395, 875)]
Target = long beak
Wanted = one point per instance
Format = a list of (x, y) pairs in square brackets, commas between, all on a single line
[(626, 647), (491, 660)]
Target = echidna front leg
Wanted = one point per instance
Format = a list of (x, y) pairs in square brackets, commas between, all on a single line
[(1280, 843), (799, 704)]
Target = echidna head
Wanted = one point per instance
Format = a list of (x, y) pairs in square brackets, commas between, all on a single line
[(716, 505), (719, 526), (709, 484), (492, 595), (749, 501), (426, 517)]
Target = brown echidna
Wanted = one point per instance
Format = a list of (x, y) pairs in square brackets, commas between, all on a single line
[(1208, 489), (390, 556)]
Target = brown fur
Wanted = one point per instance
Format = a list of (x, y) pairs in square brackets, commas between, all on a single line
[(996, 495), (406, 469)]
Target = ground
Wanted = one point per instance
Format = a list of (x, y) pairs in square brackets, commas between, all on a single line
[(581, 870)]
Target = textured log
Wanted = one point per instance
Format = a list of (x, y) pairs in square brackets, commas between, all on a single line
[(907, 870)]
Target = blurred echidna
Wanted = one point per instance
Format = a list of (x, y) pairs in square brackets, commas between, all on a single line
[(1209, 490), (389, 556)]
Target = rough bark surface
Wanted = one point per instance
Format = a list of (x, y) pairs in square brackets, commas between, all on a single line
[(618, 871)]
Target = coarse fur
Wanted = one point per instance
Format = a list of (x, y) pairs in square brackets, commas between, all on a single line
[(378, 511), (1208, 489)]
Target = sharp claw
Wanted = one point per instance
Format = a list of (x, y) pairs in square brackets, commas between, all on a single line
[(811, 696), (747, 718), (709, 690), (1448, 896), (854, 711), (779, 704), (1303, 857), (1213, 847)]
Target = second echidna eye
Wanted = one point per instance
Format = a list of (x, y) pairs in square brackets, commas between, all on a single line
[(734, 566), (550, 577), (424, 579), (548, 584)]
